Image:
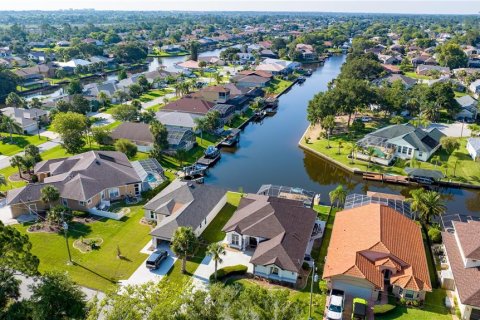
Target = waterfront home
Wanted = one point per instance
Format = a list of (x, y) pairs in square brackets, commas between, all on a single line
[(306, 51), (217, 94), (189, 65), (172, 48), (183, 204), (250, 81), (180, 139), (150, 172), (399, 141), (390, 79), (461, 273), (374, 248), (137, 132), (469, 108), (85, 181), (35, 75), (280, 232), (177, 119), (277, 66), (473, 148), (72, 64), (109, 88), (28, 119), (189, 105)]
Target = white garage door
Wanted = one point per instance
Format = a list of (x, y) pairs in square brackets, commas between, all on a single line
[(354, 291)]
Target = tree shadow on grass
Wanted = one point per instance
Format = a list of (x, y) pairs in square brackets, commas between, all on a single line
[(94, 272)]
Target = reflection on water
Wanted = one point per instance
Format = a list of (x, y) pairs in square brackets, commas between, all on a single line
[(268, 153)]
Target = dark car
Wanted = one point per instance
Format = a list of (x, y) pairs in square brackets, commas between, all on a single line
[(155, 259), (359, 309)]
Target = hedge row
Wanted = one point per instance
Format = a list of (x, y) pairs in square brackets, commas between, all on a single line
[(229, 271)]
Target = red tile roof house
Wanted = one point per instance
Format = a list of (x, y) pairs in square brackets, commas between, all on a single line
[(280, 231), (462, 247), (374, 247)]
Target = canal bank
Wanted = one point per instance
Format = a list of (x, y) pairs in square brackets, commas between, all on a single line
[(268, 153)]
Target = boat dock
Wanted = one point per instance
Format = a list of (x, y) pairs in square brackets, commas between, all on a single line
[(387, 178), (208, 162)]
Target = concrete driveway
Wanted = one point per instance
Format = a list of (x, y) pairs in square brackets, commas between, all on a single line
[(457, 129), (105, 118), (231, 258), (143, 274)]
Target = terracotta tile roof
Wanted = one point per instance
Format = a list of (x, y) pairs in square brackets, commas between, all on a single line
[(373, 236), (468, 235), (467, 280)]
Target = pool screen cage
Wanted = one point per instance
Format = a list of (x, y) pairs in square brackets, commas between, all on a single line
[(448, 219), (374, 141), (292, 193), (358, 200)]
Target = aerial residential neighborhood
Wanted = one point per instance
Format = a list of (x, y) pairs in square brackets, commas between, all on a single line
[(240, 160)]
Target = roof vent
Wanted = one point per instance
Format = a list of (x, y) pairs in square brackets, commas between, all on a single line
[(97, 161)]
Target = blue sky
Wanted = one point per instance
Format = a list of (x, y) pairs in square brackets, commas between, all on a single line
[(386, 6)]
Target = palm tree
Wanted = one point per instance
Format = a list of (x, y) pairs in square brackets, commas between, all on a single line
[(3, 180), (17, 162), (184, 243), (427, 204), (181, 156), (338, 195), (216, 251), (218, 77), (49, 194), (353, 151), (370, 153), (340, 143), (103, 98), (11, 126), (328, 123)]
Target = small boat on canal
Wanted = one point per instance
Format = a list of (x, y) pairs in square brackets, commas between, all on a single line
[(232, 138), (270, 111), (308, 73), (301, 80), (211, 156), (259, 115)]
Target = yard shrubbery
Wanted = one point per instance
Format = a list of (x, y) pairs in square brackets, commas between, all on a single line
[(383, 308), (229, 271)]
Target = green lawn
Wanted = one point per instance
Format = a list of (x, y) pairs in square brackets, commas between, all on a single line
[(99, 269), (434, 308), (213, 233), (18, 142), (414, 75), (458, 167), (278, 85)]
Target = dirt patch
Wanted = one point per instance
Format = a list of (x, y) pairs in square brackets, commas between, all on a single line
[(85, 245), (44, 227), (145, 222)]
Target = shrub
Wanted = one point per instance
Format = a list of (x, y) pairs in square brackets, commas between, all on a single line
[(79, 214), (305, 266), (127, 147), (383, 308), (403, 301), (229, 271), (435, 235), (323, 286)]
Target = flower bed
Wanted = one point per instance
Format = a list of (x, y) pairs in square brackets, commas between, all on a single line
[(85, 245)]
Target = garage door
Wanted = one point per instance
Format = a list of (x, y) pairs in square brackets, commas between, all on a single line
[(352, 290)]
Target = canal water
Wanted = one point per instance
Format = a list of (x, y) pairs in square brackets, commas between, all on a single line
[(268, 153)]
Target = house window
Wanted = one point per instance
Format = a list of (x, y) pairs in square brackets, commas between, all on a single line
[(409, 294), (409, 151), (137, 189), (235, 239), (400, 291), (274, 270), (404, 150), (399, 149), (89, 201), (102, 194), (82, 203), (114, 193), (64, 202), (152, 215), (420, 153)]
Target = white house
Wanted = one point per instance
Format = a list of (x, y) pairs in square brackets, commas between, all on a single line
[(473, 148), (183, 204), (277, 230)]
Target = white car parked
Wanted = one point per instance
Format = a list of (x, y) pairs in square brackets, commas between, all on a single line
[(335, 308)]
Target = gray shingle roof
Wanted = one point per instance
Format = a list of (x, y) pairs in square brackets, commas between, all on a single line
[(135, 131), (287, 225), (474, 142), (80, 177), (183, 204)]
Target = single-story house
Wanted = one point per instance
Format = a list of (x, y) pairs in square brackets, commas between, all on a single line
[(108, 87), (374, 247), (400, 141), (473, 148), (462, 248), (428, 69), (28, 119), (74, 63), (406, 81), (85, 181), (137, 132), (250, 81), (183, 204), (277, 230), (189, 105), (177, 119), (38, 56), (217, 94), (469, 108), (277, 66), (189, 65)]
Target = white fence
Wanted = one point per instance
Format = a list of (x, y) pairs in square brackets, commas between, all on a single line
[(107, 214)]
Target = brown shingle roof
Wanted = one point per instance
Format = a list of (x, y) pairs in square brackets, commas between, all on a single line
[(366, 237), (189, 105), (260, 73), (287, 226), (467, 280), (469, 236), (138, 132)]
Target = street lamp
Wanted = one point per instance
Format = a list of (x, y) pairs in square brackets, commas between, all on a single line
[(314, 279)]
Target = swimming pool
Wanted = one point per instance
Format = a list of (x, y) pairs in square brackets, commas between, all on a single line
[(151, 178)]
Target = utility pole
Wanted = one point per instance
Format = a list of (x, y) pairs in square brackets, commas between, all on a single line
[(65, 229), (314, 279)]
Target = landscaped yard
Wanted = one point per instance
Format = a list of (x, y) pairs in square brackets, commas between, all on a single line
[(434, 308), (414, 75), (277, 86), (466, 170), (19, 141), (153, 94), (98, 269)]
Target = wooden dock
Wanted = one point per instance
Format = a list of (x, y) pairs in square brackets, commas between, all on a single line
[(372, 176), (208, 162)]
